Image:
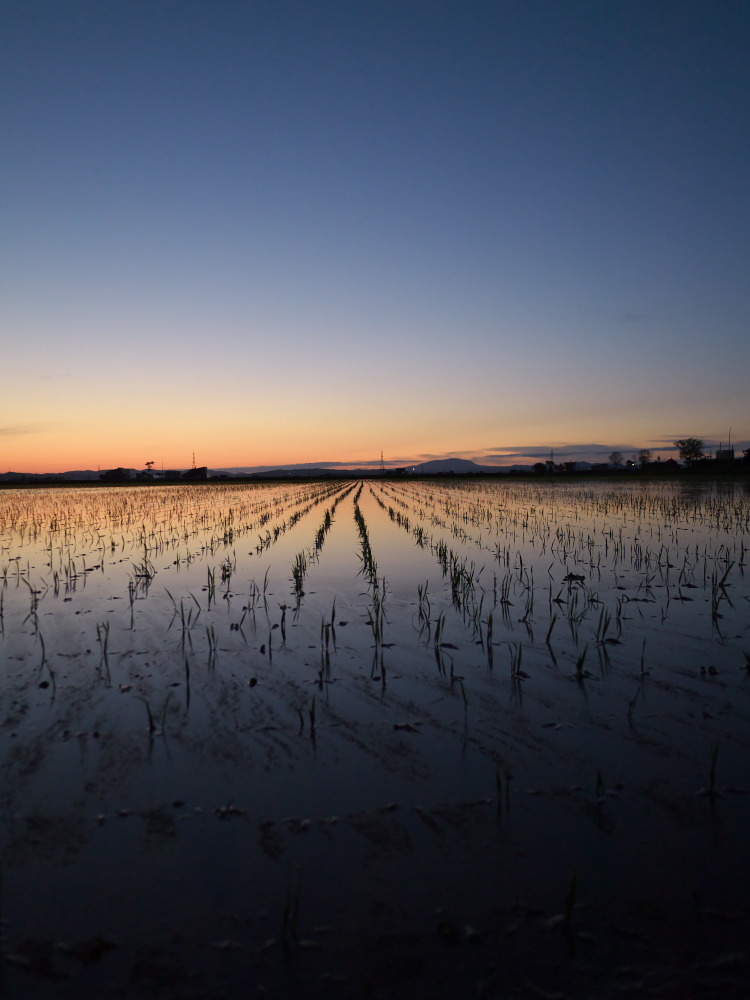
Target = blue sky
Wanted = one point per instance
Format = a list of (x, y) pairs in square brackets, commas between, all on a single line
[(286, 232)]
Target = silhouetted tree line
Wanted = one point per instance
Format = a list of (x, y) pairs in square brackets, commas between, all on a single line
[(691, 451)]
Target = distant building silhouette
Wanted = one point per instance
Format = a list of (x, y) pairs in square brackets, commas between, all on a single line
[(196, 475)]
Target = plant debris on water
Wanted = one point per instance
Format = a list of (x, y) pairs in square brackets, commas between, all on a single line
[(383, 738)]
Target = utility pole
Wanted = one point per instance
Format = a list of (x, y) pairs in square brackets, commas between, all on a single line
[(382, 464)]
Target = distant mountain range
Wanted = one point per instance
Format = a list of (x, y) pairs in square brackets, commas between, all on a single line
[(445, 466), (295, 471), (75, 476), (459, 467)]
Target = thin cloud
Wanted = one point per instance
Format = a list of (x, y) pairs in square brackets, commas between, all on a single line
[(674, 437), (21, 429), (314, 465), (560, 451)]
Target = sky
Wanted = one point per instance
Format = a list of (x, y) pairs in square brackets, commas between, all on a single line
[(279, 231)]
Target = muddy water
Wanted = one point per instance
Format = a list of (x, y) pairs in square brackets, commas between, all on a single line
[(508, 754)]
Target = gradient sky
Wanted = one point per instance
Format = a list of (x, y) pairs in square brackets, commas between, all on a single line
[(282, 232)]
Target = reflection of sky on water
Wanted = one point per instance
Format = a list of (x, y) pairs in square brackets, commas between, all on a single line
[(643, 555), (258, 708), (647, 549), (618, 541)]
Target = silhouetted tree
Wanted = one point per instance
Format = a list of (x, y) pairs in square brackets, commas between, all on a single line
[(691, 449), (644, 457), (617, 459)]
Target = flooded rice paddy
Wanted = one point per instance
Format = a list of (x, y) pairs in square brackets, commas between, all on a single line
[(375, 739)]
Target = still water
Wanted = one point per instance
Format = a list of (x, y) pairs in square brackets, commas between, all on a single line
[(374, 739)]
